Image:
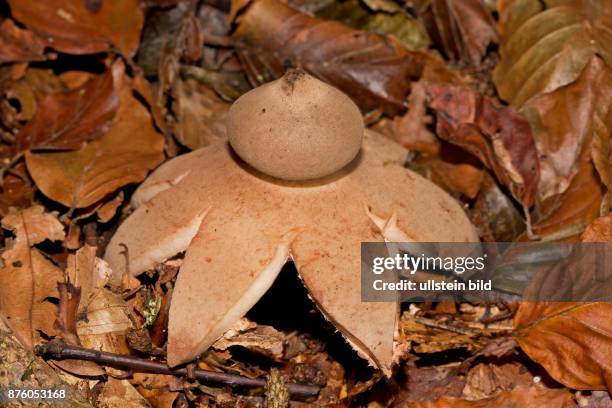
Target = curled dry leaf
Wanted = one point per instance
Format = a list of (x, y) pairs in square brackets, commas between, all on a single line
[(19, 45), (564, 122), (572, 341), (65, 121), (462, 28), (83, 27), (200, 114), (546, 44), (522, 396), (566, 216), (124, 155), (497, 135), (28, 278), (374, 70)]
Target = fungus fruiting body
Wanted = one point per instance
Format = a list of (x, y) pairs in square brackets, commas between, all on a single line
[(241, 217)]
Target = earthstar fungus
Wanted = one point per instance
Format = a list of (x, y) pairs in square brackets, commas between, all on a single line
[(316, 185)]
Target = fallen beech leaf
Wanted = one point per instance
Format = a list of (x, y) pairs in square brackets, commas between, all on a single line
[(374, 70), (87, 272), (200, 114), (599, 230), (359, 15), (462, 28), (17, 191), (497, 135), (486, 380), (495, 215), (563, 123), (410, 129), (546, 44), (64, 121), (567, 215), (458, 178), (429, 383), (108, 210), (83, 27), (26, 92), (19, 45), (572, 341), (260, 338), (28, 278), (124, 155), (120, 394), (522, 396)]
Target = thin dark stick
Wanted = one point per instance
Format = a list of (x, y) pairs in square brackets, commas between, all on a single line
[(59, 351)]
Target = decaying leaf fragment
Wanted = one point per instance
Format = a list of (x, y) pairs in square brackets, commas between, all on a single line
[(462, 28), (497, 135), (28, 278), (131, 147), (18, 44)]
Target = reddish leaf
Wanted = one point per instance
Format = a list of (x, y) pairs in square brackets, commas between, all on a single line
[(19, 45), (66, 120), (374, 70), (573, 341), (83, 27), (564, 122), (497, 135), (462, 28)]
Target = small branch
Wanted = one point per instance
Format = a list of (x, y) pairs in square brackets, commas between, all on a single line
[(59, 351)]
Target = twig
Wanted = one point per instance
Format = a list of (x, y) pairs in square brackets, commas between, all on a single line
[(441, 326), (59, 351)]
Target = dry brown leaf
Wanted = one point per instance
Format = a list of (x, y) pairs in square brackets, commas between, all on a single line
[(563, 123), (462, 28), (429, 383), (457, 178), (124, 155), (200, 114), (572, 341), (487, 380), (566, 216), (260, 338), (546, 44), (599, 230), (496, 134), (120, 394), (108, 210), (65, 121), (28, 278), (19, 45), (88, 273), (495, 215), (410, 129), (522, 396), (374, 70), (83, 27)]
